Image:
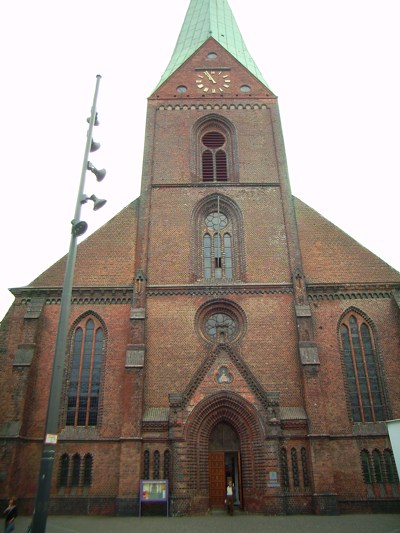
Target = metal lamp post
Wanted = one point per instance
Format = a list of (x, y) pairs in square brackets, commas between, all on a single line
[(50, 441)]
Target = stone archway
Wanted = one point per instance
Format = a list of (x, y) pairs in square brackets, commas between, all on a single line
[(243, 418)]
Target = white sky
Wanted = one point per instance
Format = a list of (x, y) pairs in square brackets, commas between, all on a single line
[(333, 64)]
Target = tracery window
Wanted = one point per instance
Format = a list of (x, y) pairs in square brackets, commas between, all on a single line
[(362, 370), (85, 373), (217, 247), (218, 253)]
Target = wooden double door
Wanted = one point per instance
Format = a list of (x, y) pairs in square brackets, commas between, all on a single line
[(222, 466)]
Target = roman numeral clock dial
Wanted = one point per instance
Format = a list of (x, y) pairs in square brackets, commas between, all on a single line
[(213, 81)]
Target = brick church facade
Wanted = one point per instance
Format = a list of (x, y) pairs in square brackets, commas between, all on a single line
[(220, 328)]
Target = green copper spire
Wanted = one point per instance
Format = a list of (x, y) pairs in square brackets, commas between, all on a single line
[(210, 18)]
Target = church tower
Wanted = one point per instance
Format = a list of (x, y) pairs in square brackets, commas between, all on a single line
[(225, 331)]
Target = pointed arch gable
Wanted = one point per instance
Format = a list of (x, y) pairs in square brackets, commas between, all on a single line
[(218, 124)]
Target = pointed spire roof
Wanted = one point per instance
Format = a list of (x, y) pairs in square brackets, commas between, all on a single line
[(205, 19)]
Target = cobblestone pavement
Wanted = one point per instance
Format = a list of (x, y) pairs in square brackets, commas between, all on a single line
[(220, 523)]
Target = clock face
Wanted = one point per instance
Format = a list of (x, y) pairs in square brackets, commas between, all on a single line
[(213, 81)]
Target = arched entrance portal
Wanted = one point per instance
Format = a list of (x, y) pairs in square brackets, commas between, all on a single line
[(224, 435), (224, 464)]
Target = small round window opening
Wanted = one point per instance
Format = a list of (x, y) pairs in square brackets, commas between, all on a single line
[(220, 324), (181, 89), (216, 221), (213, 139), (212, 55), (245, 89)]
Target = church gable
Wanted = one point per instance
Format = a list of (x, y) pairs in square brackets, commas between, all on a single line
[(331, 256), (212, 72), (105, 258)]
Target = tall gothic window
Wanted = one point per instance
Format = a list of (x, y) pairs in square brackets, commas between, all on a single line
[(361, 367), (217, 247), (85, 374)]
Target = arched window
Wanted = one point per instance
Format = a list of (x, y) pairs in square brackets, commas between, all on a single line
[(306, 477), (284, 468), (76, 470), (214, 150), (167, 463), (391, 470), (217, 247), (366, 466), (378, 470), (295, 467), (85, 374), (156, 465), (87, 470), (64, 468), (214, 162), (146, 465), (218, 228), (361, 367)]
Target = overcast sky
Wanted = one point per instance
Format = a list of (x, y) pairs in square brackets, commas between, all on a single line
[(333, 64)]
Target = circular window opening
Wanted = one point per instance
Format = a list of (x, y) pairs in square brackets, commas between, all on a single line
[(181, 89), (216, 221), (220, 321), (220, 324), (245, 89), (212, 55), (213, 139)]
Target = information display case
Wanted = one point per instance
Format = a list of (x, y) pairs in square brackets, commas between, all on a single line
[(153, 491)]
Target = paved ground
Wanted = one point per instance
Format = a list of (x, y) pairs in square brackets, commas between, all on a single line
[(220, 523)]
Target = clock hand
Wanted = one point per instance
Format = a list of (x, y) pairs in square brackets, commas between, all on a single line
[(209, 76)]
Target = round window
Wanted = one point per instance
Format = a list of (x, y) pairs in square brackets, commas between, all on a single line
[(212, 55), (213, 139), (245, 89), (181, 89), (220, 323), (216, 221)]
